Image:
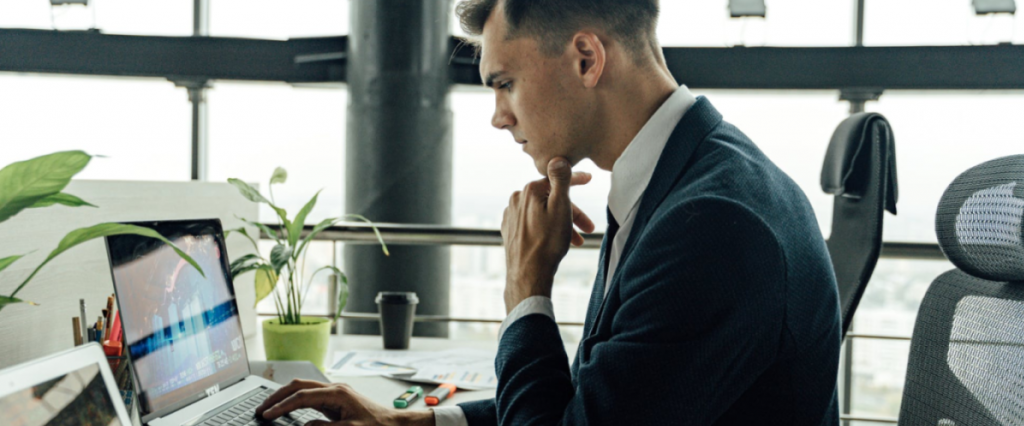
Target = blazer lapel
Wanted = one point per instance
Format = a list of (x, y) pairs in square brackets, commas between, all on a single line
[(597, 294), (695, 125)]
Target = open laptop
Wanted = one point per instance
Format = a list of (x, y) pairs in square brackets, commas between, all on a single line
[(74, 387), (182, 330)]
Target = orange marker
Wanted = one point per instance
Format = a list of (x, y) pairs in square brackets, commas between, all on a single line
[(443, 392)]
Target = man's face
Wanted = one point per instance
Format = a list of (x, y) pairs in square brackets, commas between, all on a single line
[(538, 97)]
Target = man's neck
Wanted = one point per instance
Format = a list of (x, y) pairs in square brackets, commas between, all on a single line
[(629, 108)]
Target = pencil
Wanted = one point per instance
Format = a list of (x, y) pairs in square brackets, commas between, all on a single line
[(77, 324), (85, 325), (110, 315)]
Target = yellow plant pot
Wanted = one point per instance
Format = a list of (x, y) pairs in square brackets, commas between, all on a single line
[(302, 342)]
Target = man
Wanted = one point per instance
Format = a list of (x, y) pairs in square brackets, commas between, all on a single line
[(715, 301)]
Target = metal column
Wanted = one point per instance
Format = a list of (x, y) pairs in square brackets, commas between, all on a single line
[(857, 103), (197, 97), (398, 164)]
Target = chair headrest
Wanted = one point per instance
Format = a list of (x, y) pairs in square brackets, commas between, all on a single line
[(979, 221), (847, 169)]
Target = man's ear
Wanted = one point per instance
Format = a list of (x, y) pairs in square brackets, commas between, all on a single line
[(590, 56)]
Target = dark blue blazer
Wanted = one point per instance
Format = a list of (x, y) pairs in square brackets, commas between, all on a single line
[(723, 310)]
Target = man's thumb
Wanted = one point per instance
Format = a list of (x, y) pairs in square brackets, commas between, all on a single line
[(560, 175)]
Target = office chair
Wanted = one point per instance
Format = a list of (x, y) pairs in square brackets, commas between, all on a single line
[(860, 170), (966, 362)]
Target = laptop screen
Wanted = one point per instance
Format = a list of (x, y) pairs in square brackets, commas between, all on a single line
[(181, 329), (78, 398)]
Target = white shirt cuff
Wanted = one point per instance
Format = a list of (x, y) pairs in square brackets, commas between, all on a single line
[(532, 305), (450, 416)]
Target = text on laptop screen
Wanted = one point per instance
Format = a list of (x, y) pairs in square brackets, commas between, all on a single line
[(78, 398), (182, 329)]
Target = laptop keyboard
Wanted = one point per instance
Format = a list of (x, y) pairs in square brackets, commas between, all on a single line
[(243, 413)]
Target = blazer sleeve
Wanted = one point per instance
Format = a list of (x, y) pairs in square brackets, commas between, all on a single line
[(480, 413), (700, 318)]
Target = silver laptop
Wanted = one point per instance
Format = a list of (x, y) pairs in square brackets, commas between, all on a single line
[(74, 387), (182, 330)]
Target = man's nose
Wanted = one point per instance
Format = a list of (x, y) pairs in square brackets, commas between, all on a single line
[(502, 119)]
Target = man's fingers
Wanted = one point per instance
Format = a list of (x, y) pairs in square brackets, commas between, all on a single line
[(580, 178), (581, 220), (286, 391), (560, 176), (577, 239), (306, 398)]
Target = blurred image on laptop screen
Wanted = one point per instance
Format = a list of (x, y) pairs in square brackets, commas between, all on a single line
[(182, 329), (78, 398)]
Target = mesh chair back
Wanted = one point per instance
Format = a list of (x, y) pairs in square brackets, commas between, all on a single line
[(966, 362), (860, 170)]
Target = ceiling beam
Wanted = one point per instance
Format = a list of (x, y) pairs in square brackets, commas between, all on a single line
[(316, 60)]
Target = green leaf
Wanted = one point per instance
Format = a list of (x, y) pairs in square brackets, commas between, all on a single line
[(243, 269), (279, 257), (62, 199), (248, 191), (342, 293), (242, 231), (279, 176), (4, 301), (375, 231), (7, 261), (320, 227), (266, 229), (242, 261), (24, 183), (253, 195), (295, 228), (266, 280), (82, 235)]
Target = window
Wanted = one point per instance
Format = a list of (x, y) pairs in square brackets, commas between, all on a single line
[(278, 19), (934, 23), (769, 117), (255, 128), (788, 23), (142, 126), (938, 136), (488, 167), (150, 17), (889, 308)]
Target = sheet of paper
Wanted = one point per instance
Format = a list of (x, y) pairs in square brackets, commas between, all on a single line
[(375, 363), (466, 368)]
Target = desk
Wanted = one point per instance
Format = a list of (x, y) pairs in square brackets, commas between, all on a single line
[(383, 390)]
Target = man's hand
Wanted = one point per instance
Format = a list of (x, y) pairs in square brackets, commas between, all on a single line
[(537, 229), (339, 403)]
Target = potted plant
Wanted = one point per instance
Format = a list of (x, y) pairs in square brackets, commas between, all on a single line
[(38, 183), (290, 336)]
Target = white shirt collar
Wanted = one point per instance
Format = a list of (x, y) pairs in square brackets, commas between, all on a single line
[(635, 167)]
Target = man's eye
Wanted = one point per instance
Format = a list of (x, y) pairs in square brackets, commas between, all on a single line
[(506, 86)]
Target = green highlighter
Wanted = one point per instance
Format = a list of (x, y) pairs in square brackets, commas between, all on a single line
[(408, 397)]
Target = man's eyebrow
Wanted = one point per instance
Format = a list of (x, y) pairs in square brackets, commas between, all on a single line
[(489, 81)]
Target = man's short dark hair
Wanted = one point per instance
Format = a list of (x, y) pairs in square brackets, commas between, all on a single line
[(553, 22)]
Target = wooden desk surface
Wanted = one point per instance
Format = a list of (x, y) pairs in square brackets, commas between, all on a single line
[(384, 390)]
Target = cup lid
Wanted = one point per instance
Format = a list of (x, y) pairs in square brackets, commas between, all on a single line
[(397, 297)]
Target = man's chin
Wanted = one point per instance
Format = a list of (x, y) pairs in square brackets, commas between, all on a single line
[(542, 166)]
